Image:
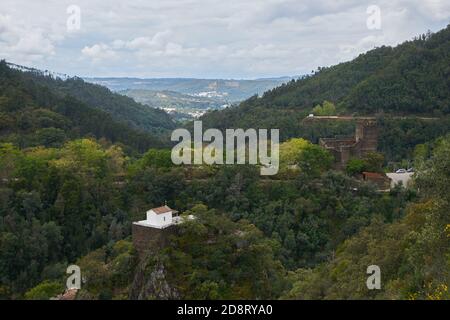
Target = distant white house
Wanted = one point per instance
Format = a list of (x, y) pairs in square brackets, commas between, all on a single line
[(161, 218)]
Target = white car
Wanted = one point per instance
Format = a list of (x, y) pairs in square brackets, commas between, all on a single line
[(400, 171)]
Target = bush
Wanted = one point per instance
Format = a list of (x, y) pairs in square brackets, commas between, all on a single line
[(45, 290)]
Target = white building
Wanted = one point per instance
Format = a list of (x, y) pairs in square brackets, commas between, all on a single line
[(160, 218)]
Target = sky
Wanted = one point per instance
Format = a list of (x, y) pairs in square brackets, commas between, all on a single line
[(240, 39)]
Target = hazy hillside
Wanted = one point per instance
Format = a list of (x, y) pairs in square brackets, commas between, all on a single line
[(121, 108), (175, 103), (217, 89), (36, 109)]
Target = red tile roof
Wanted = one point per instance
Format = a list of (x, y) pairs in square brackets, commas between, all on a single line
[(373, 175), (69, 294), (163, 209)]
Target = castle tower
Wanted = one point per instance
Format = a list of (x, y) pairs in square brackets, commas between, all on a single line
[(366, 137)]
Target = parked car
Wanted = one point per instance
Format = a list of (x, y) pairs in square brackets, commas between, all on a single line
[(400, 171)]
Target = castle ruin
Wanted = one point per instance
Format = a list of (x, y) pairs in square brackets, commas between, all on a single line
[(363, 142)]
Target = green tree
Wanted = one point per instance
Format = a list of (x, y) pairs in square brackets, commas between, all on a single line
[(315, 160), (355, 166), (326, 109), (374, 162), (45, 290)]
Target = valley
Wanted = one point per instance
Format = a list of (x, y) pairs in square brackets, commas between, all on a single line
[(88, 178), (187, 99)]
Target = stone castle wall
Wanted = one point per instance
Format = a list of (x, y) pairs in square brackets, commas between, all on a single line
[(367, 134), (147, 239), (364, 141)]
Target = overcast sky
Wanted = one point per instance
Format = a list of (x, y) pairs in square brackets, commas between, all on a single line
[(206, 38)]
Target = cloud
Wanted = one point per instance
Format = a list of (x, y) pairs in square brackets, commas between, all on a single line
[(435, 10), (19, 41), (99, 52), (214, 38), (158, 46), (155, 42)]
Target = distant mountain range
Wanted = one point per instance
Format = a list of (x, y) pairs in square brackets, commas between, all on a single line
[(227, 90), (181, 106), (187, 98)]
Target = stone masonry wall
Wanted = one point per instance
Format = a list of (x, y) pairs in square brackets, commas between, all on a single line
[(150, 239)]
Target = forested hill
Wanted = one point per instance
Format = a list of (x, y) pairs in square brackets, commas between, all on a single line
[(412, 78), (120, 107), (40, 110)]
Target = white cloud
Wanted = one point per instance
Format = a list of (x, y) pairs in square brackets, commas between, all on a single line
[(213, 38), (434, 9), (99, 52), (21, 42)]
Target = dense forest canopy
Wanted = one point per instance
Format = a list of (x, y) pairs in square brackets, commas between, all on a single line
[(120, 107), (74, 176), (40, 110), (303, 229)]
